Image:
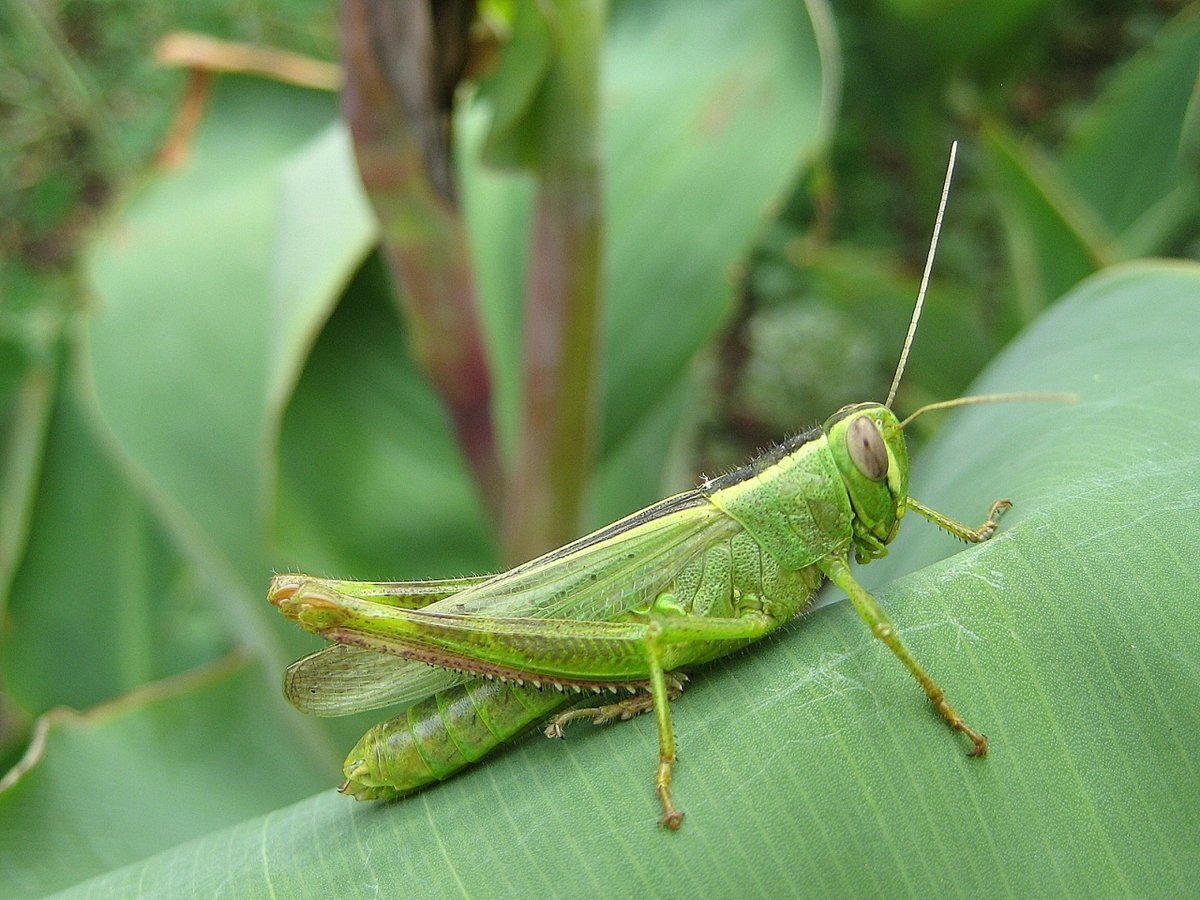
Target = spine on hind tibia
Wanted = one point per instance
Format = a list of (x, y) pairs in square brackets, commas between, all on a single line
[(437, 737)]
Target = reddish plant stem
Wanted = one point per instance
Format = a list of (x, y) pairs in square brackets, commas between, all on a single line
[(403, 60)]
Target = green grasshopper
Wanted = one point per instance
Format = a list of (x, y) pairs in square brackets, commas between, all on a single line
[(630, 607)]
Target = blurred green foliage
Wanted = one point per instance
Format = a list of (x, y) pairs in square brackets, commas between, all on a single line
[(203, 376), (83, 105)]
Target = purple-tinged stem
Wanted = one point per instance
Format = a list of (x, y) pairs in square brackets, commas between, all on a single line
[(403, 60)]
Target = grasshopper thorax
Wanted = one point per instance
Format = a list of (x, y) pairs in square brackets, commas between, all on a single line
[(868, 446)]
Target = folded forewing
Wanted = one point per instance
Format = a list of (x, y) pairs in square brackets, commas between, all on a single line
[(617, 569)]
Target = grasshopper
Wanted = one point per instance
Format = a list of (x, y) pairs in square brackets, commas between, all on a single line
[(629, 608)]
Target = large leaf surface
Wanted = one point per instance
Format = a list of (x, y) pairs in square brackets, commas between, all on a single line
[(185, 346), (97, 609), (179, 349), (811, 764), (371, 480)]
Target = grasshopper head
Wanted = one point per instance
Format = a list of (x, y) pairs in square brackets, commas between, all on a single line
[(868, 446)]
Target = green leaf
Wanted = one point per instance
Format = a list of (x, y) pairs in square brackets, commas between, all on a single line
[(1126, 184), (24, 417), (212, 283), (326, 229), (31, 321), (102, 601), (179, 349), (1054, 237), (968, 31), (510, 91), (1133, 155), (371, 479), (710, 134), (164, 764), (812, 763)]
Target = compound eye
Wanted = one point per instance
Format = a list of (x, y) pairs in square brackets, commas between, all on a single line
[(867, 448)]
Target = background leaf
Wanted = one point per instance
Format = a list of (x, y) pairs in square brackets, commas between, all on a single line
[(202, 749), (180, 351), (158, 624), (707, 119), (1134, 154), (1127, 183), (371, 479), (811, 762)]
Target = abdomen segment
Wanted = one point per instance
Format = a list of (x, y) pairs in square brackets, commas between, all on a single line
[(442, 734)]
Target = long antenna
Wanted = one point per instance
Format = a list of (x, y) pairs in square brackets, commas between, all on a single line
[(1020, 397), (916, 316)]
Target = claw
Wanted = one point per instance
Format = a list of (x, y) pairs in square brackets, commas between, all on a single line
[(671, 818)]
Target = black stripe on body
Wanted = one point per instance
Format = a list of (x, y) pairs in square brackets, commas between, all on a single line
[(761, 463)]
